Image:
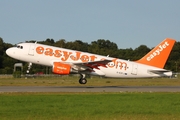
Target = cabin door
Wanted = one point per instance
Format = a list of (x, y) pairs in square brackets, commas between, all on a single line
[(31, 50), (134, 69)]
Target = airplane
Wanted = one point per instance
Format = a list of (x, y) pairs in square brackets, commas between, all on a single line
[(65, 61)]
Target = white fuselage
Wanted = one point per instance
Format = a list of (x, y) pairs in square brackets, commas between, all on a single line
[(47, 55)]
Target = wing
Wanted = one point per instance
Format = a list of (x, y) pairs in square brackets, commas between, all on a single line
[(90, 65)]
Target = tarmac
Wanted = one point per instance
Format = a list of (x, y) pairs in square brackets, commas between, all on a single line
[(89, 89)]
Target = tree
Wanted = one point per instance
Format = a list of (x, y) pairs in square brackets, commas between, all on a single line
[(103, 47), (1, 46), (173, 62), (141, 51), (1, 52), (77, 45), (61, 43), (48, 42)]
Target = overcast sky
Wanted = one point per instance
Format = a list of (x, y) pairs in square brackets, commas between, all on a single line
[(128, 23)]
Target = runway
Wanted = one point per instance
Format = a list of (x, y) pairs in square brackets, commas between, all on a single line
[(74, 89)]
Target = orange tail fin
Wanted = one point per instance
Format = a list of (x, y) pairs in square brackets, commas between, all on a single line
[(158, 56)]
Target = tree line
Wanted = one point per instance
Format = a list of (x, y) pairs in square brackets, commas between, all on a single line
[(100, 46)]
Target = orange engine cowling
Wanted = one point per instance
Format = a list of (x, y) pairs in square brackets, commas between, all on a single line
[(60, 68)]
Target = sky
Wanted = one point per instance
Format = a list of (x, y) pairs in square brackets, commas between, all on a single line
[(128, 23)]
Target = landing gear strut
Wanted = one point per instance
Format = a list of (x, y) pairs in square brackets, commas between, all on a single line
[(27, 72), (82, 79), (29, 67)]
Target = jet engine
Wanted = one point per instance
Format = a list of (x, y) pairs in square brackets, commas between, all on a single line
[(60, 68)]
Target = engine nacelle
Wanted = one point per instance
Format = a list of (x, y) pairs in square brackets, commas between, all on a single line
[(60, 68)]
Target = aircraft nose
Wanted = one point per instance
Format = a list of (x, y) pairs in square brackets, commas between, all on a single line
[(10, 52)]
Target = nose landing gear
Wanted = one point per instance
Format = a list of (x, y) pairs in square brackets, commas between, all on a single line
[(29, 67)]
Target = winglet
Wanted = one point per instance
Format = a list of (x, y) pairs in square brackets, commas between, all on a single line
[(158, 56)]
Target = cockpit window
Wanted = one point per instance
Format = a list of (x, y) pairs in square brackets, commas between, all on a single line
[(19, 46)]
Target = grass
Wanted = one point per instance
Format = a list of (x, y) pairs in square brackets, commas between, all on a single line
[(88, 106), (94, 81)]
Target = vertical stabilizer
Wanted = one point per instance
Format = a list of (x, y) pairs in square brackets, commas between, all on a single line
[(158, 56)]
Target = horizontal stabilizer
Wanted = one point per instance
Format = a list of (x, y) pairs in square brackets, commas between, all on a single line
[(159, 71)]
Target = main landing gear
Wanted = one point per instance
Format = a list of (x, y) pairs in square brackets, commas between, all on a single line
[(82, 79)]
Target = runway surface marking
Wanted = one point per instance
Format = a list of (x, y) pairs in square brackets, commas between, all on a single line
[(89, 89)]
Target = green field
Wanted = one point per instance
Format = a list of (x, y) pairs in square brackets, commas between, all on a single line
[(90, 106)]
